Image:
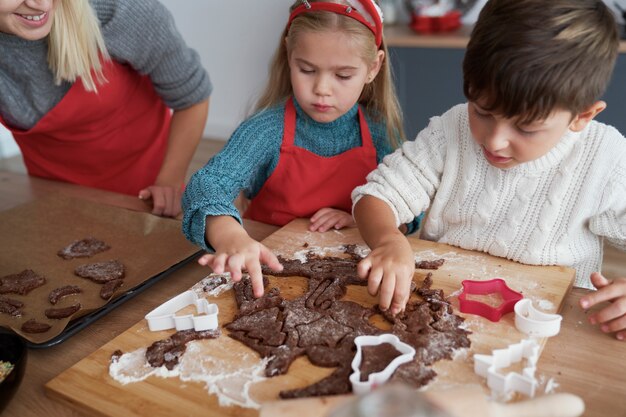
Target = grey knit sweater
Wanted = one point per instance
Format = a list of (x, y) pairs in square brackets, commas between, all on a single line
[(140, 33)]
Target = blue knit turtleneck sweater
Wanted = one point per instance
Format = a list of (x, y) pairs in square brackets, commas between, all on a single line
[(251, 155)]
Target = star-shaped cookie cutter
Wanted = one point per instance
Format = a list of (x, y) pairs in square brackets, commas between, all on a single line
[(492, 286), (535, 323), (164, 317), (487, 366), (407, 353)]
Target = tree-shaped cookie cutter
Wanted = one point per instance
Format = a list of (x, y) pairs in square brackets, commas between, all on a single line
[(492, 286), (407, 353), (535, 323), (487, 366), (164, 317)]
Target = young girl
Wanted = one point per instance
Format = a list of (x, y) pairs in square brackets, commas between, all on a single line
[(521, 171), (327, 117), (87, 89)]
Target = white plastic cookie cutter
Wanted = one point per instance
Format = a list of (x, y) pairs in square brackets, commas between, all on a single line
[(535, 323), (164, 317), (407, 353), (487, 366)]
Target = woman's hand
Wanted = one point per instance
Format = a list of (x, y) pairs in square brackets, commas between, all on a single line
[(165, 199), (612, 318), (330, 218)]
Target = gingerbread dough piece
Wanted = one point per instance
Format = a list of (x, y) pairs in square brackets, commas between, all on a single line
[(84, 248), (168, 351), (67, 290), (33, 326), (61, 313), (376, 358), (21, 283), (109, 288), (10, 306), (322, 326), (429, 264), (101, 272)]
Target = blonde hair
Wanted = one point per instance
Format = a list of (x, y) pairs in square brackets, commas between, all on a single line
[(378, 97), (75, 45)]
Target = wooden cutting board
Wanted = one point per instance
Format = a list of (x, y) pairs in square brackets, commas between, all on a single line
[(88, 386)]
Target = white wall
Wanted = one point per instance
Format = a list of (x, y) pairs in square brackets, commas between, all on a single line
[(236, 40)]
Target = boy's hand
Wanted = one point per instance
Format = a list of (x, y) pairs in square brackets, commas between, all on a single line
[(236, 252), (389, 269), (612, 318), (165, 199), (330, 218)]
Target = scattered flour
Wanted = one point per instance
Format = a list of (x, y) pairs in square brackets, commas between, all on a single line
[(209, 281), (230, 380)]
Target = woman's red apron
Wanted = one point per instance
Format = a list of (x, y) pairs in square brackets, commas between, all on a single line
[(303, 183), (114, 139)]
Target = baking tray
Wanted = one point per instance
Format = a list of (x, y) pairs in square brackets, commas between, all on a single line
[(150, 248)]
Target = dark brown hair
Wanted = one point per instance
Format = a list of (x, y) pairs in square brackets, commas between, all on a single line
[(526, 58)]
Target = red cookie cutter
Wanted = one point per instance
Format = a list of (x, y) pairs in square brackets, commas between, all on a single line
[(492, 286)]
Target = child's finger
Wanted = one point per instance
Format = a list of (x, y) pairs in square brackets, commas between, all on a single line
[(268, 258), (363, 268), (327, 223), (599, 281), (158, 203), (607, 293), (235, 265), (374, 280), (386, 291), (318, 214), (611, 312), (256, 276), (205, 259), (218, 263), (621, 335), (614, 326)]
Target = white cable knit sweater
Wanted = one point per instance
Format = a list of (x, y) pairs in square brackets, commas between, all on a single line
[(554, 210)]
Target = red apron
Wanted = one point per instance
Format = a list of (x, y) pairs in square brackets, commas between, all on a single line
[(114, 139), (303, 183)]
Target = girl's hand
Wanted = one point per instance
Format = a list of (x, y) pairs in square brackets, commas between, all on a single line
[(612, 318), (239, 254), (165, 199), (389, 269), (330, 218)]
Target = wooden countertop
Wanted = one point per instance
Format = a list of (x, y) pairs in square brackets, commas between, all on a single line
[(402, 36), (581, 359)]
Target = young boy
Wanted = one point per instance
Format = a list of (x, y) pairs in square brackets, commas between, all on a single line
[(521, 171)]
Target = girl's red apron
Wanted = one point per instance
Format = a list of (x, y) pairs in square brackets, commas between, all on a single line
[(114, 139), (303, 183)]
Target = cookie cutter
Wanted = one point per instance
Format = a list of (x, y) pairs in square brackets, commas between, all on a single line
[(164, 317), (487, 366), (375, 379), (492, 286), (536, 323)]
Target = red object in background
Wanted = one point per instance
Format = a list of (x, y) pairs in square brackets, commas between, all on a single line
[(431, 24)]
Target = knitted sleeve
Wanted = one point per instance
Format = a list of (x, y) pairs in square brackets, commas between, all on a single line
[(142, 33), (610, 221), (408, 178), (244, 164)]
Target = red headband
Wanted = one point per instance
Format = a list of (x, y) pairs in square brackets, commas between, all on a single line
[(376, 28)]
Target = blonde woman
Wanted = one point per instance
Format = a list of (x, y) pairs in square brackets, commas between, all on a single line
[(104, 94), (328, 116)]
